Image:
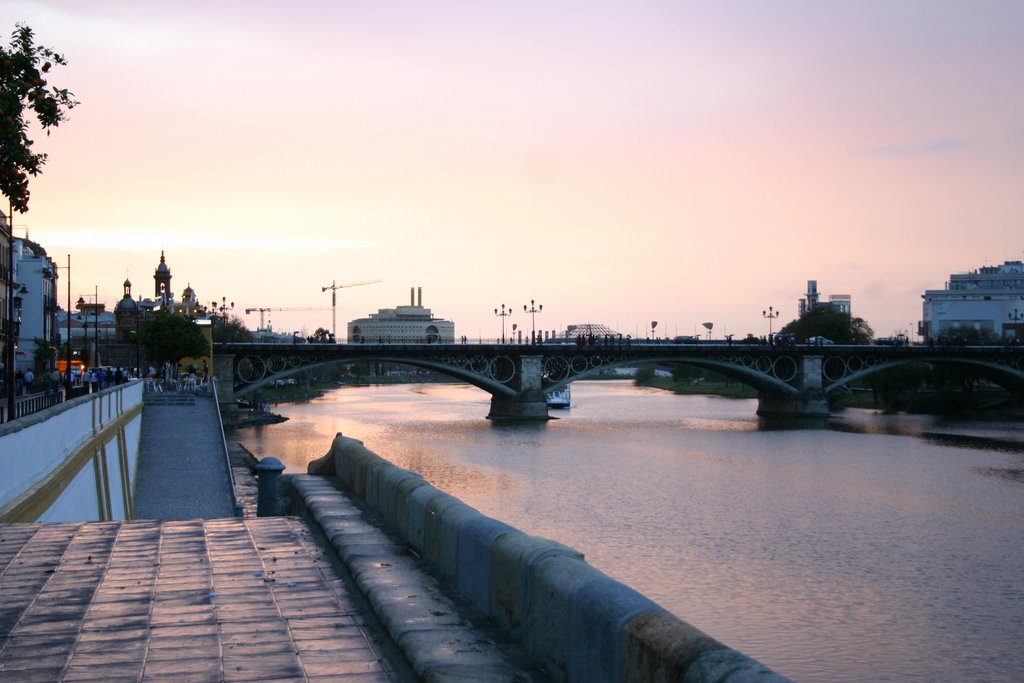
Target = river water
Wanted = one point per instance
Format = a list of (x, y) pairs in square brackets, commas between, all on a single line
[(882, 548)]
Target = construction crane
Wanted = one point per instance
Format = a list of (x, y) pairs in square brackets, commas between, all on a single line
[(334, 287), (268, 310)]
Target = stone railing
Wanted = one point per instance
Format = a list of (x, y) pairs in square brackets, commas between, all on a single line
[(579, 623)]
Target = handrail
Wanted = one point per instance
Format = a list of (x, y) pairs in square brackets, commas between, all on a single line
[(227, 455), (26, 404)]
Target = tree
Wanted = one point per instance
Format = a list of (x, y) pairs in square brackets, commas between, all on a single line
[(832, 324), (24, 93), (232, 330), (644, 374), (321, 336), (168, 338), (44, 353)]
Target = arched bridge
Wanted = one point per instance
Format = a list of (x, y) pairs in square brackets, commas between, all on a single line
[(793, 380)]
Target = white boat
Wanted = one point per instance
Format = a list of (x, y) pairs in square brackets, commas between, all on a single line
[(559, 398)]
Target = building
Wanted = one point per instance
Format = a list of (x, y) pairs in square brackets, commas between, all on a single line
[(812, 300), (412, 324), (36, 277), (989, 300), (7, 293)]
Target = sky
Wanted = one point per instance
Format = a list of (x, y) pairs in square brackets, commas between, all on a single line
[(617, 162)]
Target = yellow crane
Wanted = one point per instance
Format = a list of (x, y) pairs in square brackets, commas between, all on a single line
[(334, 287)]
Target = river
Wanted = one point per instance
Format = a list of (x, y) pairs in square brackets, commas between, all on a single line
[(882, 548)]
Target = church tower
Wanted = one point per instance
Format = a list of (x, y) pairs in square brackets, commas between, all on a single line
[(126, 315), (162, 278)]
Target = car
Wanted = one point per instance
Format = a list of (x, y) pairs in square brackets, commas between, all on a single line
[(819, 341)]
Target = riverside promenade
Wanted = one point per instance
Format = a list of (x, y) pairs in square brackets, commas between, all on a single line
[(189, 592), (374, 575)]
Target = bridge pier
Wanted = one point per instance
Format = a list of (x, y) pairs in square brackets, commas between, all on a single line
[(810, 401), (805, 404), (518, 407), (224, 371), (530, 403)]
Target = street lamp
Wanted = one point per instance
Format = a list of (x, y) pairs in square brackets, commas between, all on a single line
[(222, 309), (67, 369), (503, 314), (96, 307), (533, 309), (771, 314), (13, 332)]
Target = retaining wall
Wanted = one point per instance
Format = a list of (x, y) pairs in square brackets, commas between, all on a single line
[(73, 461), (582, 625)]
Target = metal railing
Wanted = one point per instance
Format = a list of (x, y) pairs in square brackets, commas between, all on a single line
[(27, 404)]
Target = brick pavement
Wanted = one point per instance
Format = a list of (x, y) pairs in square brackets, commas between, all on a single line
[(200, 600)]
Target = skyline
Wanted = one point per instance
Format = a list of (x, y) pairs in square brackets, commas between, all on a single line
[(616, 163)]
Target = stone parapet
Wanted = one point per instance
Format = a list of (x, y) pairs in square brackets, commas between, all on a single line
[(578, 623)]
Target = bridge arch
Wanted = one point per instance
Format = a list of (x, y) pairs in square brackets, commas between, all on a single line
[(1008, 374), (469, 374), (749, 374)]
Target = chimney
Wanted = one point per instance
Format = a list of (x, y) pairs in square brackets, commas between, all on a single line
[(412, 296), (419, 295)]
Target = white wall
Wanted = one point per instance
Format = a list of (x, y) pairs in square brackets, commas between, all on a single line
[(33, 448)]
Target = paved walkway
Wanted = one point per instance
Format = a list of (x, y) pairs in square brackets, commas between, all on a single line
[(213, 600), (182, 472), (188, 592)]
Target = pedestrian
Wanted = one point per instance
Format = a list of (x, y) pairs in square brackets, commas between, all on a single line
[(28, 378)]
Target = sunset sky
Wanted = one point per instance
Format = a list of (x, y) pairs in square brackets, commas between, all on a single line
[(618, 162)]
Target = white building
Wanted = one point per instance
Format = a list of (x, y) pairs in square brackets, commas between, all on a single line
[(811, 300), (989, 300), (412, 324), (36, 275)]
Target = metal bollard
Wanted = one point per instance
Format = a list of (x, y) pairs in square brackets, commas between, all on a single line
[(267, 471)]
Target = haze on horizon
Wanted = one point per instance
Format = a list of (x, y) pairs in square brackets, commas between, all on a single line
[(617, 162)]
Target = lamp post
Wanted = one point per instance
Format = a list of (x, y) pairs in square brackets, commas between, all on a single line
[(96, 307), (771, 314), (67, 369), (13, 331), (503, 314), (220, 311), (533, 309)]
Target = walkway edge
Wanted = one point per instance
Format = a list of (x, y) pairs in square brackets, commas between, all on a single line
[(577, 622)]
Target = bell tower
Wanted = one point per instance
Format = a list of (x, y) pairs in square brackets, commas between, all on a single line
[(162, 279)]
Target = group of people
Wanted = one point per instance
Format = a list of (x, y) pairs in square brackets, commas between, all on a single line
[(98, 379)]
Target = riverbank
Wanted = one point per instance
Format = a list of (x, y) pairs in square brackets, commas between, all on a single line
[(984, 401)]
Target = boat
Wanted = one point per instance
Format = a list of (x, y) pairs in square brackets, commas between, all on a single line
[(559, 398)]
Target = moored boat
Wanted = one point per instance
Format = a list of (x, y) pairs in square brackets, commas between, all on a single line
[(559, 398)]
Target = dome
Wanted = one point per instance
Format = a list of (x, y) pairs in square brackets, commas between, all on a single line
[(162, 268), (126, 305)]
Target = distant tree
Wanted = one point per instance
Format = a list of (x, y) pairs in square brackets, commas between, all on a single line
[(24, 95), (169, 338), (681, 372), (644, 374), (231, 330), (832, 324), (321, 336)]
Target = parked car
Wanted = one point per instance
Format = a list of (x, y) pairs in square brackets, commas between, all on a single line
[(819, 341)]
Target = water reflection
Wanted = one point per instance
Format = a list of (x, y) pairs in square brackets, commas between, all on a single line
[(806, 548)]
